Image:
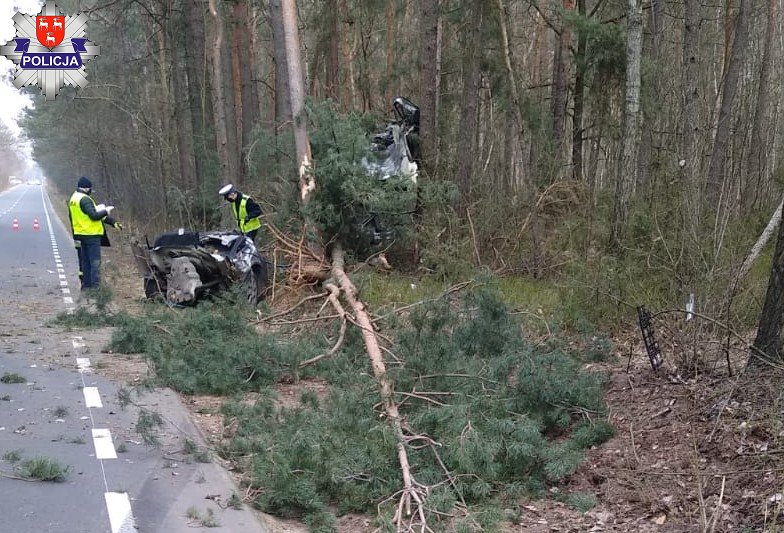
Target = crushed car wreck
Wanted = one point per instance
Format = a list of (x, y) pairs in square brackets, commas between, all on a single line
[(394, 151), (183, 266)]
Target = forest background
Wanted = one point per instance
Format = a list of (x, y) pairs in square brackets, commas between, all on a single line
[(593, 155)]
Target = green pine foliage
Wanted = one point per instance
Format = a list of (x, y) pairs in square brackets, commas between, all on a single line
[(208, 349), (510, 418), (507, 418), (349, 201), (131, 335)]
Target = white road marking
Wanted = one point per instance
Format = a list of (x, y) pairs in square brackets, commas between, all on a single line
[(92, 398), (83, 364), (117, 503), (120, 515), (104, 448)]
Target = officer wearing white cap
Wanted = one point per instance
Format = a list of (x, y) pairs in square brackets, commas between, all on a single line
[(246, 211)]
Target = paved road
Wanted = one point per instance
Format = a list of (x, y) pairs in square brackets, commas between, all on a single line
[(66, 412)]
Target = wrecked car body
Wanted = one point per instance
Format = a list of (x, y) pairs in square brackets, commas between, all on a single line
[(394, 151), (183, 266)]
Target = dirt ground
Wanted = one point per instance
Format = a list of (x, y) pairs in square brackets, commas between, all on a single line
[(696, 449)]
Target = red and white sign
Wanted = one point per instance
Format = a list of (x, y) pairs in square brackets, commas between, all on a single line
[(50, 30)]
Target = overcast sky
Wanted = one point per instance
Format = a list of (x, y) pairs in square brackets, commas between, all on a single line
[(12, 101)]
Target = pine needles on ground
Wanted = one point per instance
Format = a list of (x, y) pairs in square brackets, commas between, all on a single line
[(209, 349), (487, 414)]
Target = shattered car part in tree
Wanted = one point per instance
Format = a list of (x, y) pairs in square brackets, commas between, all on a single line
[(183, 266), (392, 153), (651, 345)]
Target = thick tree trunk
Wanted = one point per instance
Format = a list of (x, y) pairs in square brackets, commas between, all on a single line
[(282, 92), (469, 108), (428, 92), (510, 70), (199, 102), (225, 149), (759, 149), (182, 133), (332, 39), (560, 85), (769, 340), (716, 169), (245, 99), (296, 78), (628, 169), (690, 162)]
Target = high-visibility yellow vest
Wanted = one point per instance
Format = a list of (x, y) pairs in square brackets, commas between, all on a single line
[(242, 212), (80, 222)]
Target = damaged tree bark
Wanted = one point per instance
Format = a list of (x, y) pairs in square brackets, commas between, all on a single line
[(412, 491)]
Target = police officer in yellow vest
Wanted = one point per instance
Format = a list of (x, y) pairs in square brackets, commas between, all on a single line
[(87, 223), (245, 210)]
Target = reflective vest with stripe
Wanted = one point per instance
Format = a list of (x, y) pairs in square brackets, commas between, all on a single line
[(241, 213), (80, 222)]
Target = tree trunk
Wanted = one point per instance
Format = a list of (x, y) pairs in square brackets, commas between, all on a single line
[(769, 339), (296, 78), (429, 82), (628, 169), (759, 149), (391, 37), (690, 162), (245, 100), (332, 39), (510, 70), (412, 491), (282, 92), (225, 155), (737, 58), (579, 100), (558, 97), (657, 19), (467, 132), (182, 131), (763, 239), (199, 103)]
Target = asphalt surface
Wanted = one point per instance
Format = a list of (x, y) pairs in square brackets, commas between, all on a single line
[(64, 411)]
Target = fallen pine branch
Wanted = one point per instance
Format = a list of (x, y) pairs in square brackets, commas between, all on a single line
[(334, 292), (410, 510)]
